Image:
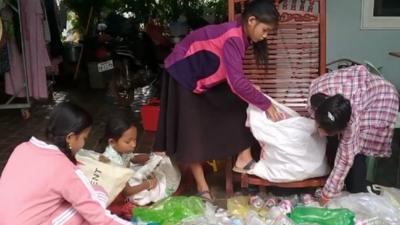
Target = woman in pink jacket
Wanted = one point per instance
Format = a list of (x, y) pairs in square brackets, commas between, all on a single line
[(41, 183)]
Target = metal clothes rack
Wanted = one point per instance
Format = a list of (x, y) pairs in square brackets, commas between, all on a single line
[(23, 106)]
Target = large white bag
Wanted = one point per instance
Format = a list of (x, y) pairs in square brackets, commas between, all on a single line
[(291, 150), (112, 178)]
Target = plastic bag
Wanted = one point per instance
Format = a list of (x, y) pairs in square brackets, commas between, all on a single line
[(291, 150), (367, 206), (212, 216), (171, 210), (239, 206), (112, 178), (322, 216), (170, 173), (253, 219), (161, 167), (390, 193)]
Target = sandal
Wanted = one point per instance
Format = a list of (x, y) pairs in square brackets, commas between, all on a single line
[(206, 195), (246, 168)]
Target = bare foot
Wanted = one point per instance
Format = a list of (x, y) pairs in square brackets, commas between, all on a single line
[(244, 161)]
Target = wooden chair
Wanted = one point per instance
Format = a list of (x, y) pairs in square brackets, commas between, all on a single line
[(296, 55)]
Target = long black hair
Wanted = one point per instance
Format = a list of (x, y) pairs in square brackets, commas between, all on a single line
[(265, 12), (332, 113), (116, 125), (66, 118)]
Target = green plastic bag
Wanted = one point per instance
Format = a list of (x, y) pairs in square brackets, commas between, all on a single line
[(171, 210), (322, 216)]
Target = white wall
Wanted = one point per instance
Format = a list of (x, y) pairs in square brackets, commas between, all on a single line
[(345, 39)]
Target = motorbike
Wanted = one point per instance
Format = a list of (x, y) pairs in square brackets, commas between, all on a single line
[(134, 71)]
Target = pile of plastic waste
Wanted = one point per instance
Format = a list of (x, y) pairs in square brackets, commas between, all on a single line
[(266, 209)]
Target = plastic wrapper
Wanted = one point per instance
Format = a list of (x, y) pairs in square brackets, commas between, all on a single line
[(322, 216), (171, 210), (143, 95)]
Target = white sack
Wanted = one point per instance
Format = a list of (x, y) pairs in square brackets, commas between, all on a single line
[(291, 150)]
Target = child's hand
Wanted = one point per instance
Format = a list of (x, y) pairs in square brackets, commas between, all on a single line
[(104, 159), (152, 181), (323, 201), (140, 159)]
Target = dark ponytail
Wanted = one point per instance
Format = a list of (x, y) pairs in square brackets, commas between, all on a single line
[(332, 113), (265, 12), (64, 119)]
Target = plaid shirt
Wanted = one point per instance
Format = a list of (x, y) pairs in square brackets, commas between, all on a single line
[(375, 103)]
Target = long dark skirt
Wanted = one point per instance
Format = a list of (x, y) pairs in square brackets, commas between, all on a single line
[(198, 127)]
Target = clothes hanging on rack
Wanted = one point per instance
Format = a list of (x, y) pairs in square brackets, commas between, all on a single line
[(13, 56), (37, 57), (46, 27), (56, 48)]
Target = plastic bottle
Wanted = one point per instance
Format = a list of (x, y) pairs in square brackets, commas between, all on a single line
[(286, 206), (277, 216), (236, 221), (254, 219), (270, 202), (257, 202)]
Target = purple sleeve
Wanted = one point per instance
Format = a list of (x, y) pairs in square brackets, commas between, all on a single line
[(240, 85)]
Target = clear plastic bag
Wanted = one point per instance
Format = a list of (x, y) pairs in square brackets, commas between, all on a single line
[(369, 207), (390, 193), (212, 216), (239, 206), (168, 179)]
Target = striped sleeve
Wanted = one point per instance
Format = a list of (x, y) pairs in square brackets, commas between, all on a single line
[(78, 191), (347, 150)]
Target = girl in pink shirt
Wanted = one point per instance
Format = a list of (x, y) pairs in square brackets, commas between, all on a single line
[(41, 183)]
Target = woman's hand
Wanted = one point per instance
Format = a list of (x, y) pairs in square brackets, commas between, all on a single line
[(273, 114)]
